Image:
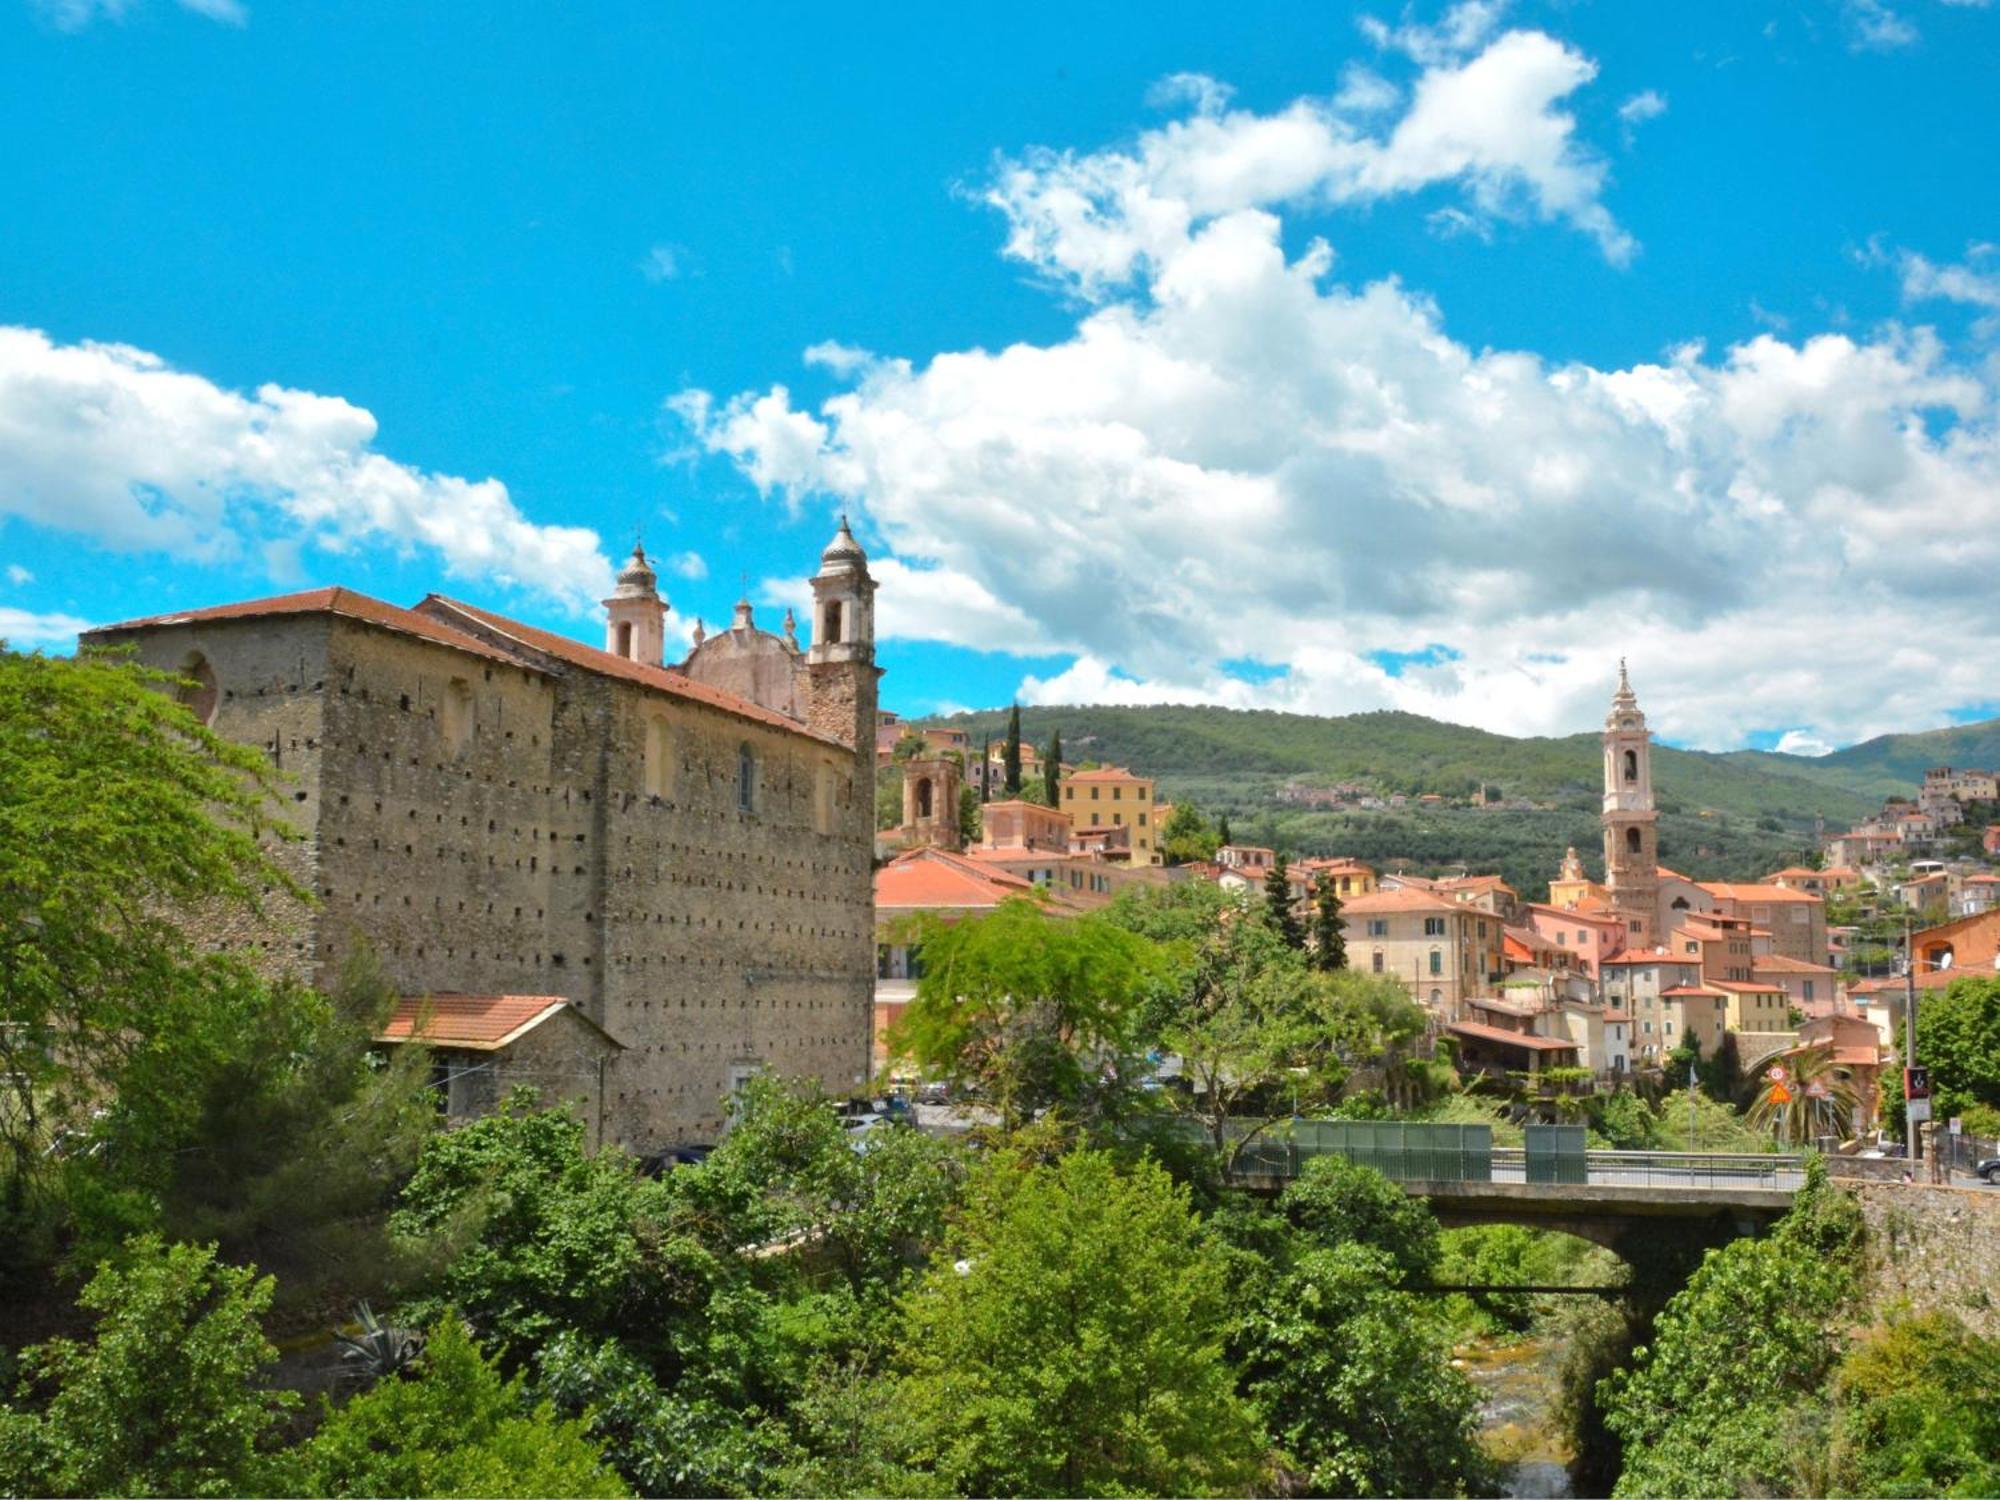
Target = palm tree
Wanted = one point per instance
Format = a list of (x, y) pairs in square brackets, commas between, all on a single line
[(1817, 1099)]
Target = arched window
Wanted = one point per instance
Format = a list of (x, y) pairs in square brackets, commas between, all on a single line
[(198, 694), (625, 639), (1437, 997), (1633, 842), (746, 779), (829, 632), (1631, 765), (923, 797)]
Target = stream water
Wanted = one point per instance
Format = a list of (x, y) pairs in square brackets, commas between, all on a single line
[(1517, 1389)]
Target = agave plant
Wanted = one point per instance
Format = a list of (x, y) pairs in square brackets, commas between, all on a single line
[(379, 1350)]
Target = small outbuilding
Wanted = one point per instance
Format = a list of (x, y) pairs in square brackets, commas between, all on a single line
[(483, 1046)]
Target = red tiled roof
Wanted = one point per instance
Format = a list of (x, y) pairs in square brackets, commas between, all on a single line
[(1641, 960), (333, 601), (1737, 987), (477, 1023), (1103, 773), (576, 653), (1510, 1038), (1778, 963), (1754, 893), (1692, 989), (938, 880), (1397, 901)]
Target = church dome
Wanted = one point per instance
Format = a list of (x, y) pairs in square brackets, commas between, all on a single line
[(843, 550), (637, 576)]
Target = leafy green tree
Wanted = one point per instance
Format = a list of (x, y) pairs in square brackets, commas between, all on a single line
[(1355, 1385), (679, 1442), (1329, 930), (1188, 836), (1069, 1341), (1052, 770), (1010, 754), (1958, 1039), (167, 1397), (787, 1171), (1916, 1411), (1334, 1201), (1705, 1408), (969, 818), (121, 810), (459, 1428), (1026, 1006), (527, 1233), (1279, 913)]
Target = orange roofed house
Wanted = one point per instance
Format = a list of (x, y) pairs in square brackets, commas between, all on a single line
[(682, 852), (932, 882), (1444, 951), (482, 1046)]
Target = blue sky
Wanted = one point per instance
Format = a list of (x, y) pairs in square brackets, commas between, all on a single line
[(1427, 358)]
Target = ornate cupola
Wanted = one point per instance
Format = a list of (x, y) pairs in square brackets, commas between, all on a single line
[(635, 625)]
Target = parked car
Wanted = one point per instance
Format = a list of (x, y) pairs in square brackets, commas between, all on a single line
[(938, 1092), (1988, 1170)]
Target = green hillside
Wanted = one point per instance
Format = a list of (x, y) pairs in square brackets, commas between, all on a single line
[(1722, 816), (1889, 764)]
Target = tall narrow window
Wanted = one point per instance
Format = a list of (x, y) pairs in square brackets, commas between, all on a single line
[(746, 779), (1632, 841), (659, 759), (830, 633), (1631, 765), (923, 797), (625, 639), (455, 714)]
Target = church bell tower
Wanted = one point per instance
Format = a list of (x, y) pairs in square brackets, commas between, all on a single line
[(1631, 824)]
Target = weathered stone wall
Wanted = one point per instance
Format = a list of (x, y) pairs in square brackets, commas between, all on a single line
[(270, 692), (1938, 1248), (490, 828)]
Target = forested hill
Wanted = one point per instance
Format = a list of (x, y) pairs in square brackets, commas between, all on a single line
[(1891, 764), (1731, 816), (1400, 752)]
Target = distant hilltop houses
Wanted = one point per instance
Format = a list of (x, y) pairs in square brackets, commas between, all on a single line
[(1601, 978)]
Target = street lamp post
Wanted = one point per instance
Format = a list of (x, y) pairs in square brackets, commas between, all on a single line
[(1910, 1127)]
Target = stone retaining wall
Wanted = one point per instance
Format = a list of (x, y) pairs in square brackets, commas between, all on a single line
[(1938, 1248)]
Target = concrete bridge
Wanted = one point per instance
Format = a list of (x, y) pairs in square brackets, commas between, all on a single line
[(1605, 1197)]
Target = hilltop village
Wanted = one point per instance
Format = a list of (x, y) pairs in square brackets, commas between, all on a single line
[(1593, 982)]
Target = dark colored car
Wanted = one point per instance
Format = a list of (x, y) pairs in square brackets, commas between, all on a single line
[(1988, 1170)]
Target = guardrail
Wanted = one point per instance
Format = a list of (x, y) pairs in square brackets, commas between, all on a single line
[(1554, 1156)]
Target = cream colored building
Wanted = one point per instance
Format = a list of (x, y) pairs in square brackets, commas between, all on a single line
[(1443, 952), (1112, 797)]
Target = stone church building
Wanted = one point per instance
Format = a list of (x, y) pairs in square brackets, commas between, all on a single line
[(682, 851)]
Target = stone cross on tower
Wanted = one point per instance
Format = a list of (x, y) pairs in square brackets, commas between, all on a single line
[(1631, 824)]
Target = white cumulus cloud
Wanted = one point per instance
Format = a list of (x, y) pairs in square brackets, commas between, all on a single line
[(20, 628), (1234, 455), (110, 442)]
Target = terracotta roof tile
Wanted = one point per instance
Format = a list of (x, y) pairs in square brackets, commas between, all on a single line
[(576, 653), (1511, 1038), (333, 601), (478, 1023), (1401, 901)]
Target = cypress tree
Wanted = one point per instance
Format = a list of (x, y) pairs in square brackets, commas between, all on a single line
[(1052, 770), (1329, 931), (1222, 828), (1011, 755), (986, 771), (1278, 903)]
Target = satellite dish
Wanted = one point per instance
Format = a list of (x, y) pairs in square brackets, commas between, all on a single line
[(1945, 962)]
